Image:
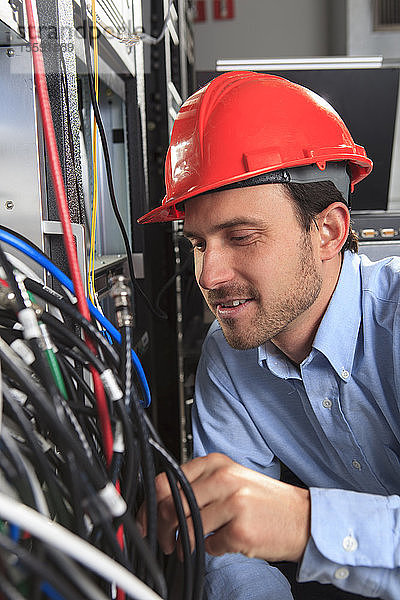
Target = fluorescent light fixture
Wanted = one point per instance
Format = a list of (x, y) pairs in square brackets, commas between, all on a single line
[(297, 64)]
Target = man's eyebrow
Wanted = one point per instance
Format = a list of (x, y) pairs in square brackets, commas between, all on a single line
[(225, 225)]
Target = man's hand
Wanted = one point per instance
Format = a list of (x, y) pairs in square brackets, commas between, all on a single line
[(242, 510)]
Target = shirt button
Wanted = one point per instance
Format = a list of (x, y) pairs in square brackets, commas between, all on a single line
[(345, 373), (356, 464), (342, 573), (350, 543), (326, 403)]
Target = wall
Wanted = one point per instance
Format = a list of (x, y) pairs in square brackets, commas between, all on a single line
[(363, 40), (264, 29), (304, 28)]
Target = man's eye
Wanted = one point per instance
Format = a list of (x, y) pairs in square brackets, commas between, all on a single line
[(242, 239), (198, 246)]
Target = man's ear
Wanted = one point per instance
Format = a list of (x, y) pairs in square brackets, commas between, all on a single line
[(333, 224)]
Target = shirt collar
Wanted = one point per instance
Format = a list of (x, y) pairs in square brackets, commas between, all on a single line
[(337, 334)]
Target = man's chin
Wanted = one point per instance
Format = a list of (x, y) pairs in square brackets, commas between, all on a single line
[(239, 341)]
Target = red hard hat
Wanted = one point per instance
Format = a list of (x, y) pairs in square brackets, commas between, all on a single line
[(243, 124)]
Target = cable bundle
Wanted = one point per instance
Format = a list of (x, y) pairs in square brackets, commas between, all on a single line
[(78, 455), (53, 463)]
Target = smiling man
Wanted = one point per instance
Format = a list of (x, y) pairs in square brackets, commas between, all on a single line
[(254, 295), (301, 365)]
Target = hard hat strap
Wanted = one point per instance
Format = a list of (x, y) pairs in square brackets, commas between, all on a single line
[(334, 171)]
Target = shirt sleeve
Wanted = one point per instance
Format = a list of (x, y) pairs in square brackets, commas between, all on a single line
[(222, 424), (236, 577), (355, 543)]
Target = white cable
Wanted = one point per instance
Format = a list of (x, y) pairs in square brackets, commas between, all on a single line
[(149, 39), (57, 536)]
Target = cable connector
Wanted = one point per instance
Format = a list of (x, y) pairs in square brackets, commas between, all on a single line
[(27, 318), (22, 349), (111, 386), (119, 442), (112, 499), (121, 294)]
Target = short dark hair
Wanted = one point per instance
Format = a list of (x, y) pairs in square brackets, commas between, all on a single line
[(310, 199)]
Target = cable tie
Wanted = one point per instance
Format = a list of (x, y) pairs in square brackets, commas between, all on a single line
[(114, 502), (22, 349), (113, 390), (28, 320), (119, 443), (20, 281)]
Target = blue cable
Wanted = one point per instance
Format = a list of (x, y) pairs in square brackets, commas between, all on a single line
[(15, 532), (43, 261), (50, 591)]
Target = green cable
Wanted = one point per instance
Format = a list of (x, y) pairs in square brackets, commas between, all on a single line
[(56, 372)]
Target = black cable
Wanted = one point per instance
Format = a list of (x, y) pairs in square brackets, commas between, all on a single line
[(170, 464), (12, 405), (65, 439), (145, 553), (103, 138), (184, 536), (21, 304), (130, 456), (132, 469), (9, 323), (57, 580), (142, 547), (9, 591), (20, 477), (53, 298), (72, 353), (146, 452), (14, 287), (75, 573), (115, 468), (76, 497), (79, 380), (62, 333), (88, 425)]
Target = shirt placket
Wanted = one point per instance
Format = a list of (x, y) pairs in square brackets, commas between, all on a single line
[(322, 393)]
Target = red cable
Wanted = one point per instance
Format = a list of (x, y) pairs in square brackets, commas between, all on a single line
[(63, 211)]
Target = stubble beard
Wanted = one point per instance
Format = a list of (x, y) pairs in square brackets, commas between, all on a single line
[(269, 321)]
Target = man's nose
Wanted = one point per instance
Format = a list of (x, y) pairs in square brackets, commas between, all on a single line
[(213, 269)]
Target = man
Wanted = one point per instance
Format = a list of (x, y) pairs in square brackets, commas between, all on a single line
[(301, 364)]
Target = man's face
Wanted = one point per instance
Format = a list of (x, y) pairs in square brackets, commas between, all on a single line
[(255, 265)]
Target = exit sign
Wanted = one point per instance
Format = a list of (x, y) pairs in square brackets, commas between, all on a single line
[(223, 9)]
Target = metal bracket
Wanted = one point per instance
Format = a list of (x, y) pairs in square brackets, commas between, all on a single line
[(78, 231)]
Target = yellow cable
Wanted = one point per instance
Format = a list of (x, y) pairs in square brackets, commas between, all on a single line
[(91, 275)]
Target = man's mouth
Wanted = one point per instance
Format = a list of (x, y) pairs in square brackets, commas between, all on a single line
[(232, 303), (231, 308)]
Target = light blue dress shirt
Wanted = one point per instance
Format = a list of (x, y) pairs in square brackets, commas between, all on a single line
[(334, 421)]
